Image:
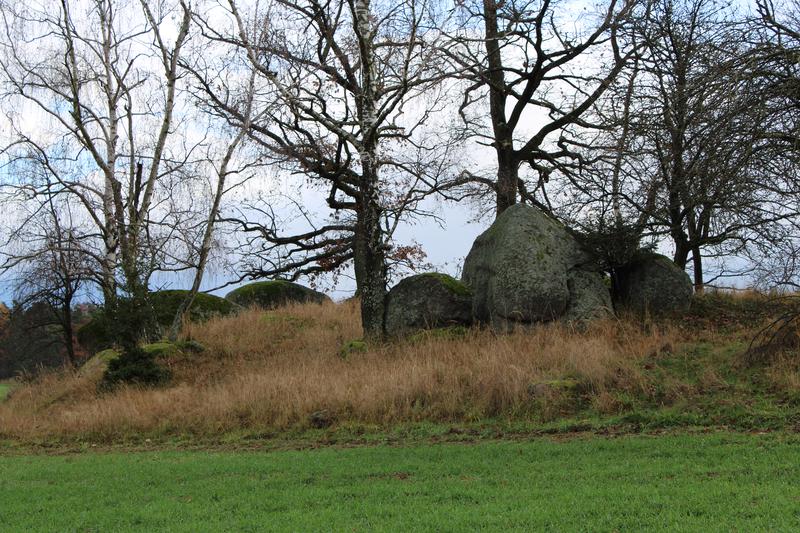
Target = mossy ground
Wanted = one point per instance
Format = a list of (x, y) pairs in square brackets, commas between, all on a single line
[(5, 389), (353, 347), (450, 332)]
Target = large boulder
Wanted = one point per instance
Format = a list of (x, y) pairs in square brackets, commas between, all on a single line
[(589, 297), (427, 301), (654, 284), (276, 293), (528, 268), (204, 306), (95, 335)]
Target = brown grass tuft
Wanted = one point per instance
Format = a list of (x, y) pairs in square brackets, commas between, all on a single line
[(284, 369)]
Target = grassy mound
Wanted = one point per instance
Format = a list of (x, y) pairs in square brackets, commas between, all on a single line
[(275, 372)]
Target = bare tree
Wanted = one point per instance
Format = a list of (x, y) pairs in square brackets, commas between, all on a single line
[(52, 268), (345, 92), (689, 152), (530, 58), (105, 87), (223, 171), (775, 63)]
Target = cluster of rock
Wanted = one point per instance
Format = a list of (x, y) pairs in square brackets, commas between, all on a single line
[(528, 268), (653, 284)]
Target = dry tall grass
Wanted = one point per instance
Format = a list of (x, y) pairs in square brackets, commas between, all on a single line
[(284, 369)]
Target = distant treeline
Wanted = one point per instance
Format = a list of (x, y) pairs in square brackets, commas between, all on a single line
[(30, 340)]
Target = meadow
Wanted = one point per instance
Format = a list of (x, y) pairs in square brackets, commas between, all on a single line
[(711, 482)]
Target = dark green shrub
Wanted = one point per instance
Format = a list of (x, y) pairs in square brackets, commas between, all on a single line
[(613, 246), (135, 366)]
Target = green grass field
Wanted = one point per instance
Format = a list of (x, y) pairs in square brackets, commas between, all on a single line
[(715, 482)]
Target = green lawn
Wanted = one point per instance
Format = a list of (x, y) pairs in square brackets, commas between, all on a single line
[(718, 482)]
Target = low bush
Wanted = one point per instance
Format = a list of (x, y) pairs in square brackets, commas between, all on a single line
[(135, 366)]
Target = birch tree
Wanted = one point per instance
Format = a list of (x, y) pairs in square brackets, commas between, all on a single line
[(224, 169), (101, 77)]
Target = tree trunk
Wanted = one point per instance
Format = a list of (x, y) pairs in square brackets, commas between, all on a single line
[(369, 258), (697, 263), (507, 177), (69, 341), (205, 250), (507, 164), (111, 243), (681, 256), (205, 246), (369, 254)]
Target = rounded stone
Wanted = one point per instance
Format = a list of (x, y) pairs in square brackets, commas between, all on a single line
[(520, 269), (653, 284), (275, 293), (427, 301)]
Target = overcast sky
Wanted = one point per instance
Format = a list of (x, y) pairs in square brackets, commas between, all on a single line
[(446, 240)]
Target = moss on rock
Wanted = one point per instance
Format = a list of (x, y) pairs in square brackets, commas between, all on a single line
[(96, 335), (165, 304), (518, 268), (427, 301), (653, 284), (275, 293), (454, 285)]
